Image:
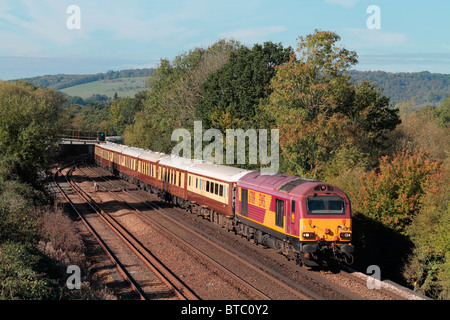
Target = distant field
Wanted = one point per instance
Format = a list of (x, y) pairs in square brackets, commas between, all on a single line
[(125, 87)]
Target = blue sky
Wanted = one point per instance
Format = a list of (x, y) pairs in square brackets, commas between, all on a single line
[(115, 35)]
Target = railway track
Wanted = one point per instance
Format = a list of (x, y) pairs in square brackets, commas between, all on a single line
[(69, 190), (296, 291)]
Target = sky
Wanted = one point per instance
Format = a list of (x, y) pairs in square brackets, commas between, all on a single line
[(39, 37)]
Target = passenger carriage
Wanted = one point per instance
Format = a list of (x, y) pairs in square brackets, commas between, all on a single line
[(210, 190)]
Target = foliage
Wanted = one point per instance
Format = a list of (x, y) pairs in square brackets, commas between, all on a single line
[(422, 129), (323, 57), (240, 84), (393, 193), (371, 118), (104, 114), (344, 169), (123, 110), (29, 122), (19, 279), (441, 113), (174, 95), (306, 146), (318, 110), (429, 265), (95, 117), (16, 212)]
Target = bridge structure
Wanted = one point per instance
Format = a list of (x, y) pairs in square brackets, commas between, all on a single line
[(82, 137)]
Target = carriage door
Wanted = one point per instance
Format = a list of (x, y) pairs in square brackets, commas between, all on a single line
[(244, 202), (279, 213)]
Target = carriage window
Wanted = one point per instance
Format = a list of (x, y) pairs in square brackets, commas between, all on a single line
[(216, 188), (221, 190), (207, 186)]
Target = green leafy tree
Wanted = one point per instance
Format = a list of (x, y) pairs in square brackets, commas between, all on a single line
[(29, 123), (174, 92), (240, 84), (123, 110)]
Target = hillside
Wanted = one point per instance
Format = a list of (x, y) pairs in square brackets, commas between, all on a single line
[(428, 88), (62, 81), (124, 87)]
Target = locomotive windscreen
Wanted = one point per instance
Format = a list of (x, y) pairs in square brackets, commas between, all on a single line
[(325, 205)]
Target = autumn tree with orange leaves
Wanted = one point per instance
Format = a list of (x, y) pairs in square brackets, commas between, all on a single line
[(392, 194), (319, 111)]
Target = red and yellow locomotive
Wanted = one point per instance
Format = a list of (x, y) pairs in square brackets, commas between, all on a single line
[(304, 219)]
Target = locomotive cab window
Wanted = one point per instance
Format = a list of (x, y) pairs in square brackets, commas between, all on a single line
[(325, 205)]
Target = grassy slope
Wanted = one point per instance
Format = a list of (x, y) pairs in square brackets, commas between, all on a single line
[(125, 87)]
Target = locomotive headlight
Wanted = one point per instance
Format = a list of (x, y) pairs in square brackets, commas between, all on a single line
[(309, 235), (345, 235)]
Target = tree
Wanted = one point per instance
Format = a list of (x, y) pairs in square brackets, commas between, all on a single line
[(429, 265), (443, 113), (29, 123), (421, 129), (314, 94), (325, 60), (240, 84), (371, 117), (123, 110), (174, 92), (393, 193)]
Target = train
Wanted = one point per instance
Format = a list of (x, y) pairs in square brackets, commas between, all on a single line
[(306, 220)]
